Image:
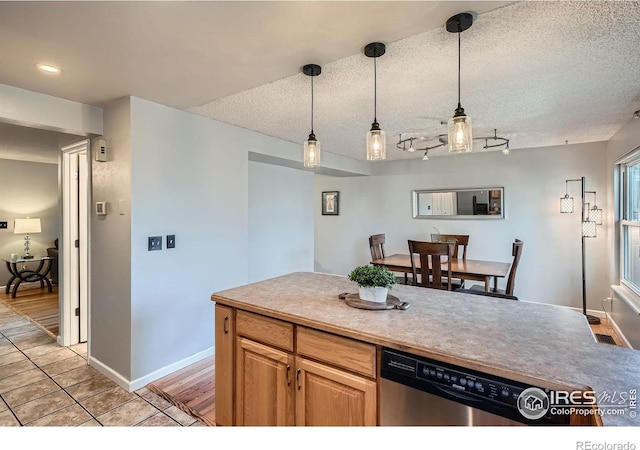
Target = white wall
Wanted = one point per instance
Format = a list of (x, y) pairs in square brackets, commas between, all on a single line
[(22, 107), (28, 189), (280, 221), (534, 181), (110, 320), (188, 178)]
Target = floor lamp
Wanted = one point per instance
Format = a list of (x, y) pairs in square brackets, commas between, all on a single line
[(588, 230)]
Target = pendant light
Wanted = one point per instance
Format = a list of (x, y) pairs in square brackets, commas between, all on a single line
[(566, 202), (376, 142), (460, 137), (311, 145)]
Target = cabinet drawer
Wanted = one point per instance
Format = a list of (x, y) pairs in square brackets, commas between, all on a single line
[(264, 329), (338, 351)]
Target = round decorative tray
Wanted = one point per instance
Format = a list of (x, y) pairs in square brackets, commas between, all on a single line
[(392, 302)]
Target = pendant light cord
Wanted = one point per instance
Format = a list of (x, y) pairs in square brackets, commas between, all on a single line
[(375, 89), (458, 65), (311, 105)]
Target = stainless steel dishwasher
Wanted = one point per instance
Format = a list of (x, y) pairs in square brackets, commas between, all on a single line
[(421, 391)]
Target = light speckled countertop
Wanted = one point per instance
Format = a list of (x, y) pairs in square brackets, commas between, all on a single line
[(528, 342)]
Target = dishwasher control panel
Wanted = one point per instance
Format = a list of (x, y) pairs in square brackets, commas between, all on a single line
[(471, 387)]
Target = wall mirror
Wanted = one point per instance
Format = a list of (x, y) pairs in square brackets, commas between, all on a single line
[(474, 203)]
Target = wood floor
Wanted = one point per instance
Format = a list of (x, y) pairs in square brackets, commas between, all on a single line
[(191, 389), (605, 328), (37, 305)]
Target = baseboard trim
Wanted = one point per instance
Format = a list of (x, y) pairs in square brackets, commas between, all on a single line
[(614, 325), (590, 312), (110, 373), (134, 385)]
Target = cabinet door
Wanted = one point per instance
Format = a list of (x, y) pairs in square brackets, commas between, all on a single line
[(264, 387), (326, 396), (224, 333)]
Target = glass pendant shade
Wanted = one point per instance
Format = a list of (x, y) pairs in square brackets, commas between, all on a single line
[(376, 144), (595, 215), (588, 229), (311, 147), (566, 204), (312, 152), (460, 138)]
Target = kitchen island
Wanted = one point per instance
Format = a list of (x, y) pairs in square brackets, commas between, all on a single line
[(286, 340)]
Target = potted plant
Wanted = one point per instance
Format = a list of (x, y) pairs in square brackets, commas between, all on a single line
[(374, 282)]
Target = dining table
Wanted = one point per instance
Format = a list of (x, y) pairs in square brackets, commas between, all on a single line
[(465, 269)]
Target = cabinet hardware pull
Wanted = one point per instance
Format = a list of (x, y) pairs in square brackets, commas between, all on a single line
[(226, 325), (288, 375), (298, 378)]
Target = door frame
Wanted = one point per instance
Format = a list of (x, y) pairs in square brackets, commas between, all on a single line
[(70, 274)]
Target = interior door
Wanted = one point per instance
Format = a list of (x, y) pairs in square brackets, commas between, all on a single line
[(74, 249)]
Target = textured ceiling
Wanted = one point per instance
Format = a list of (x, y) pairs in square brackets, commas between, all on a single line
[(542, 73)]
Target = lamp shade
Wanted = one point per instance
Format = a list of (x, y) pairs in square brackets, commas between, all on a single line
[(460, 136), (376, 144), (24, 226), (595, 215), (566, 204), (589, 229), (311, 152)]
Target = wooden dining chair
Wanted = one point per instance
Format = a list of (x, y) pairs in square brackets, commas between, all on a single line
[(460, 241), (516, 251), (431, 273), (376, 246)]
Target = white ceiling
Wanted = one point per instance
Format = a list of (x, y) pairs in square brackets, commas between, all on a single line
[(542, 73)]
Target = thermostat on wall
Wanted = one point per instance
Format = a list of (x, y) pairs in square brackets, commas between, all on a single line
[(101, 150), (101, 208)]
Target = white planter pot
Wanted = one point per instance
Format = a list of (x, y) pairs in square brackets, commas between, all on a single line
[(373, 294)]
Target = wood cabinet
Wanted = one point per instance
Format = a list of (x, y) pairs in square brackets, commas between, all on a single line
[(284, 374), (225, 335), (331, 397), (264, 388)]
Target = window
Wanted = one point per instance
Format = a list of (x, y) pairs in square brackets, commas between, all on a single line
[(629, 195)]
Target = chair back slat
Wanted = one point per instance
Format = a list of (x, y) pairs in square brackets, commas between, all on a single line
[(431, 271)]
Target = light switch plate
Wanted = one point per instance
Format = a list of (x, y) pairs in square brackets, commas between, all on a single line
[(3, 225), (155, 243), (171, 241)]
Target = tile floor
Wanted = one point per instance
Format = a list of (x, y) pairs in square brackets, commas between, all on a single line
[(43, 384)]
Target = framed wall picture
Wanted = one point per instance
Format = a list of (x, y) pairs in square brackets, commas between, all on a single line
[(330, 203)]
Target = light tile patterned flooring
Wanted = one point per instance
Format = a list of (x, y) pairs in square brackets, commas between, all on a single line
[(43, 384)]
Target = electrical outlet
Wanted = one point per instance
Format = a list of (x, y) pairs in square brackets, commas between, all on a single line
[(3, 225), (171, 241), (155, 243)]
